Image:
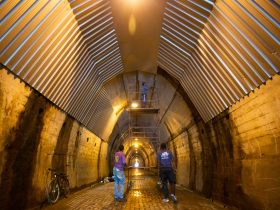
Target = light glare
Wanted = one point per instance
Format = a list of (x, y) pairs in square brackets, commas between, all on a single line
[(136, 164), (134, 105)]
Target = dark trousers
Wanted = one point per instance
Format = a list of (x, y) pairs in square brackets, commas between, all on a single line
[(167, 174)]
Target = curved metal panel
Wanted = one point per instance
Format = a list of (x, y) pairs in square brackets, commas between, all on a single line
[(99, 114), (65, 49), (218, 50), (222, 49)]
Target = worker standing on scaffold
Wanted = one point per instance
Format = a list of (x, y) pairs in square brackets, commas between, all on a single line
[(144, 94)]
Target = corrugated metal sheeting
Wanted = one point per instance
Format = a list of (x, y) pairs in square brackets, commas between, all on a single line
[(99, 114), (65, 50), (220, 50)]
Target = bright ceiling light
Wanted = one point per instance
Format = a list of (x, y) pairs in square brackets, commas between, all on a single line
[(134, 105), (136, 145)]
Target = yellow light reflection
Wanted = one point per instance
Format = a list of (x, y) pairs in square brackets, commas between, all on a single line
[(137, 172), (137, 193), (132, 24), (136, 145), (117, 109)]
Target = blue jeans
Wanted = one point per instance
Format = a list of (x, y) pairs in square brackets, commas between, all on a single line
[(167, 175), (143, 100), (119, 181)]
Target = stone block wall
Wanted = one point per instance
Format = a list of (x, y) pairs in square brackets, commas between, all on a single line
[(182, 150), (103, 160), (35, 136), (235, 157), (254, 124)]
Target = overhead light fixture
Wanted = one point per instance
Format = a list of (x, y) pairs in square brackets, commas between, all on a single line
[(134, 105)]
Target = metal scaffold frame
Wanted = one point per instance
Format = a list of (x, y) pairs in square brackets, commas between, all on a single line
[(150, 109), (145, 107)]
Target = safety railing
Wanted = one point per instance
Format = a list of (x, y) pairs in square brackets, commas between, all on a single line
[(141, 100), (144, 132)]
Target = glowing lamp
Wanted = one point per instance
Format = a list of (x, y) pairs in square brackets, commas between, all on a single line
[(134, 105)]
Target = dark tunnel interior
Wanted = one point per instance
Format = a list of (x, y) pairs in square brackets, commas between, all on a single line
[(71, 92)]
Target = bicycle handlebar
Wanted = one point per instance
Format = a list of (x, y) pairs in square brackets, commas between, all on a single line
[(56, 172)]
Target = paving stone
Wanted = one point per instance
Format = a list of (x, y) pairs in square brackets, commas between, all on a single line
[(144, 195)]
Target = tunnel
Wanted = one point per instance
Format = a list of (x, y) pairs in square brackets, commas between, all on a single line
[(71, 92)]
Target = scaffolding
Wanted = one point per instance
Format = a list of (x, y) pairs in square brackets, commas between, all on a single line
[(140, 108), (143, 116)]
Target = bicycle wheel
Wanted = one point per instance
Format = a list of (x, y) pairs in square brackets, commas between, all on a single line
[(53, 191), (64, 184)]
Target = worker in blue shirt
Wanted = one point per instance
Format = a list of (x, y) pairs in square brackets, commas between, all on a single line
[(166, 172)]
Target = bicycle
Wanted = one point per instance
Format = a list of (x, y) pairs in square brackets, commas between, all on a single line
[(57, 186)]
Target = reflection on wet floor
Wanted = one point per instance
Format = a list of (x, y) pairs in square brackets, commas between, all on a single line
[(143, 195)]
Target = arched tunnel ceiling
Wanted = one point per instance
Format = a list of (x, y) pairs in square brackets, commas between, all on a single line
[(219, 51)]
